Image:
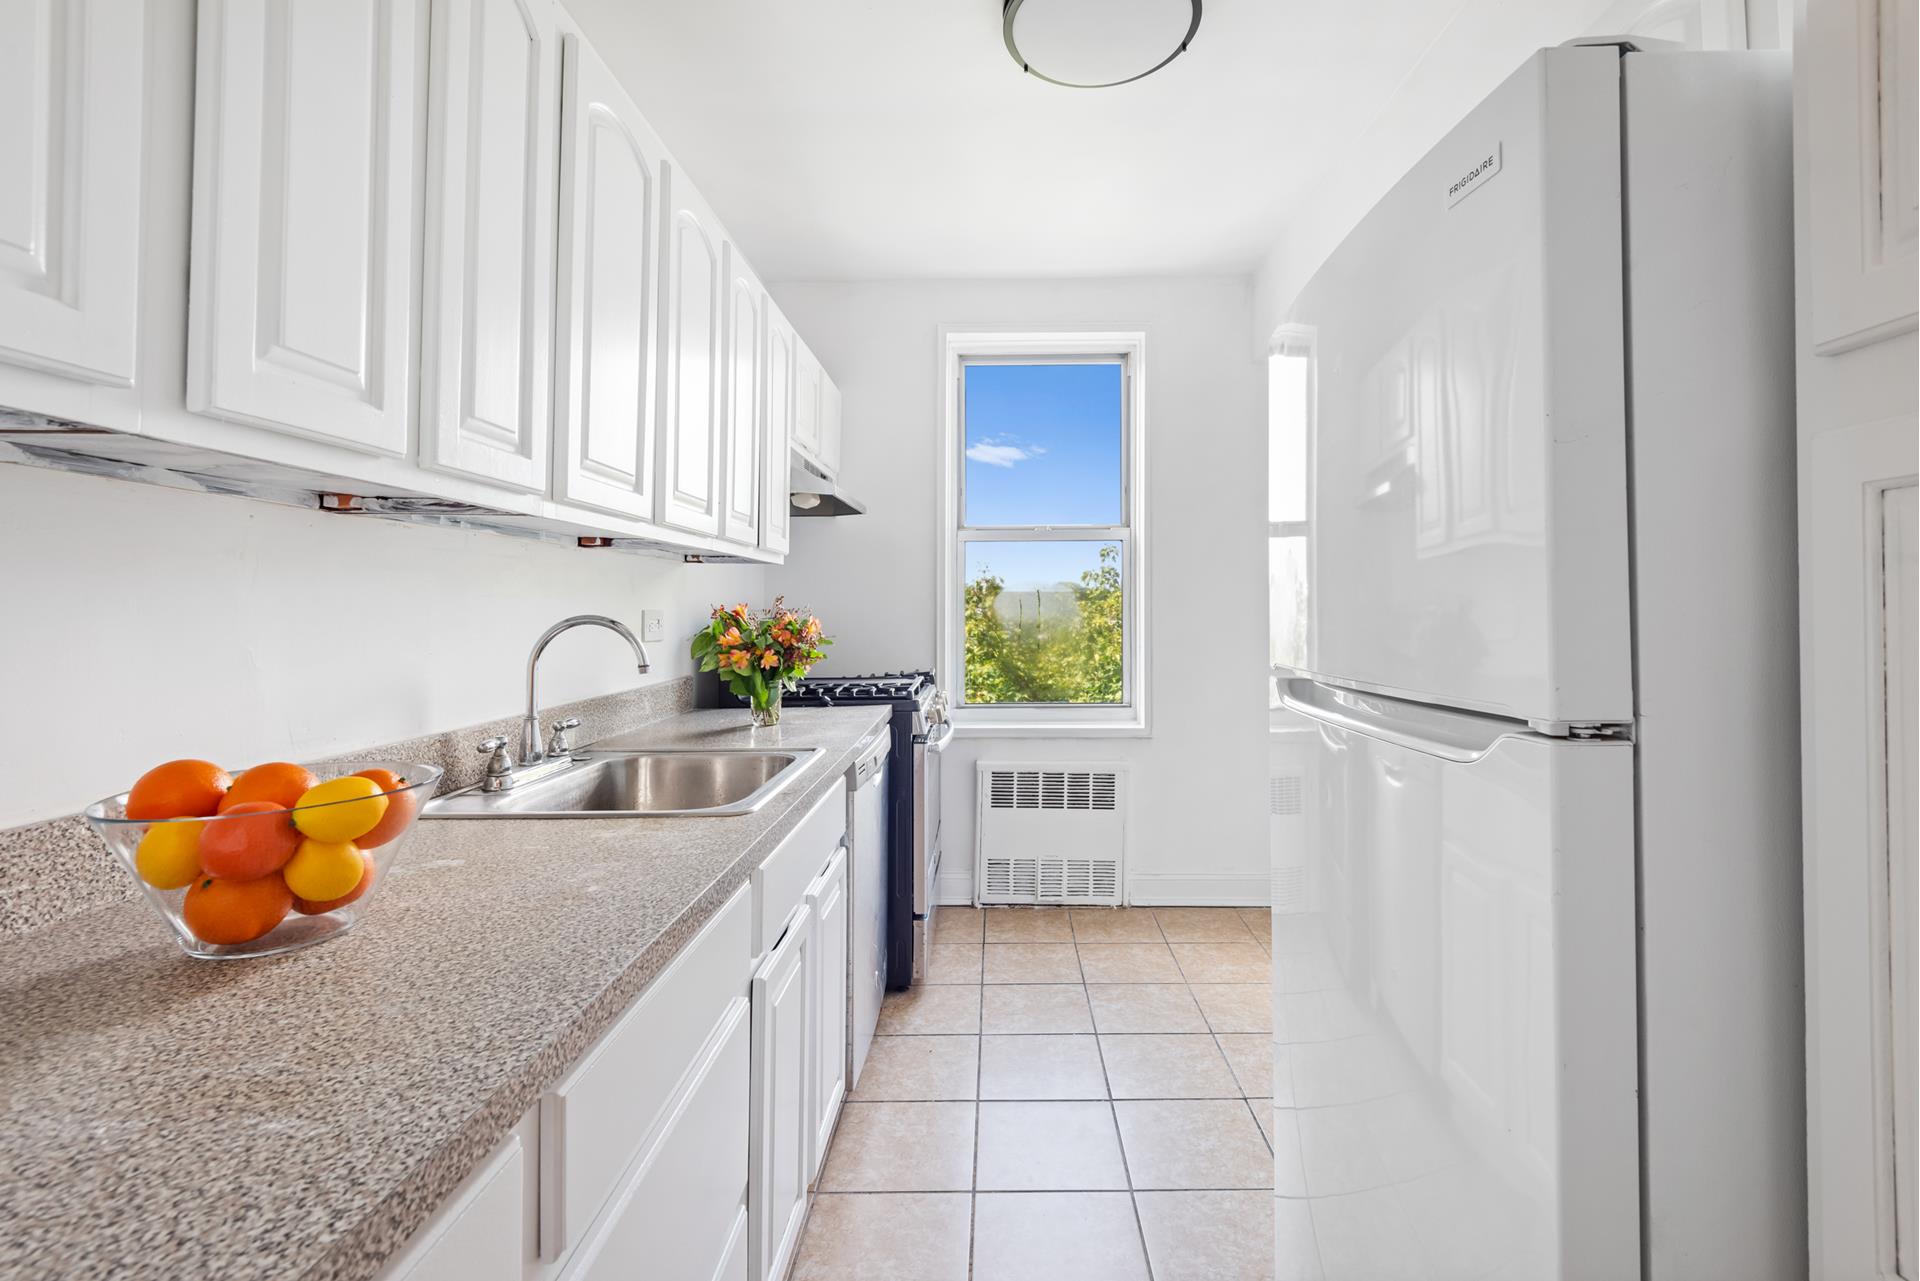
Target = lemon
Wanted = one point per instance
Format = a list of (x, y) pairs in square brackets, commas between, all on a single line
[(339, 810), (323, 870), (168, 856)]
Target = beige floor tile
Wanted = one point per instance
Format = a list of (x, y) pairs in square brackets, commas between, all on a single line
[(1236, 1007), (1056, 1236), (953, 963), (901, 1147), (1193, 1143), (1048, 1147), (1041, 1067), (1114, 925), (1145, 1007), (1223, 962), (1167, 1067), (930, 1009), (1031, 963), (1028, 925), (1263, 1113), (1208, 1236), (1259, 920), (1128, 963), (884, 1238), (1202, 925), (958, 924), (1009, 1008), (904, 1068), (1251, 1056)]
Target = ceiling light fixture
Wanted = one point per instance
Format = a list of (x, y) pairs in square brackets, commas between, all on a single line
[(1097, 44)]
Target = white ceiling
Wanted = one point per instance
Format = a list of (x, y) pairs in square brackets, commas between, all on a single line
[(878, 139)]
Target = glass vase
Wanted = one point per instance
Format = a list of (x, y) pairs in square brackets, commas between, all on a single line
[(768, 716)]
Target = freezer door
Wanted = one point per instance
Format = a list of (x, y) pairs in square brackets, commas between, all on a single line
[(1466, 522), (1454, 1003)]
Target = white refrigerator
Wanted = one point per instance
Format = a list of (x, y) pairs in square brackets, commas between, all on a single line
[(1537, 997)]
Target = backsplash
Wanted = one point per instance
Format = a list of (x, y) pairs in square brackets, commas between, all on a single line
[(53, 870)]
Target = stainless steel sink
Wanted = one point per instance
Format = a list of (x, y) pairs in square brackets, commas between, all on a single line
[(663, 784)]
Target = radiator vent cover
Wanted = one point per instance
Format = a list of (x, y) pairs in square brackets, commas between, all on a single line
[(1050, 834)]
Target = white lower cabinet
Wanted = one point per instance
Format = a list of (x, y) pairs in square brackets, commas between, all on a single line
[(782, 1036), (478, 1235), (828, 979)]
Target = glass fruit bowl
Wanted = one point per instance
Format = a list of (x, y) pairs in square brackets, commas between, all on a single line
[(266, 877)]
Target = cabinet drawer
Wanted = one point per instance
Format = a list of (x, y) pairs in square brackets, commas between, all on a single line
[(682, 1211), (476, 1235), (781, 881), (598, 1117)]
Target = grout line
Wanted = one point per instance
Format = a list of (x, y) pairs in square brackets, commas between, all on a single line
[(979, 1078)]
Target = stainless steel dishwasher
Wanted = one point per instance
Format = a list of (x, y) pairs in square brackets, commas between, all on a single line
[(867, 821)]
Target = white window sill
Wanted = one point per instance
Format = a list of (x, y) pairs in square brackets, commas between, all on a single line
[(1063, 728)]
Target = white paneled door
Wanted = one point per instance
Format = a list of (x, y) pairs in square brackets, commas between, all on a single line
[(690, 412), (70, 97), (487, 287), (611, 172), (781, 345), (305, 156), (745, 409)]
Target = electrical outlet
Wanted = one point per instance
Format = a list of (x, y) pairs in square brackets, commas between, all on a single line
[(653, 625)]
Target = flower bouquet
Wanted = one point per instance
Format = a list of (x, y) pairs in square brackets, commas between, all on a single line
[(760, 654)]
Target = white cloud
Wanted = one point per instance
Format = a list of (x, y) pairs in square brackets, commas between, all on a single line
[(1002, 451)]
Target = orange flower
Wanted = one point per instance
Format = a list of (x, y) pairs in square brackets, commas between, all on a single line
[(770, 658), (730, 638), (783, 635), (739, 612), (737, 660), (812, 629)]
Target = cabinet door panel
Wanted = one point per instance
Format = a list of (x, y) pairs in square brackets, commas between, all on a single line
[(775, 531), (829, 425), (301, 307), (806, 402), (70, 92), (827, 900), (690, 424), (746, 310), (487, 293), (781, 1042), (610, 173)]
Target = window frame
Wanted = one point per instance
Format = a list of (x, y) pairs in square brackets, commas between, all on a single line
[(962, 347), (1294, 342)]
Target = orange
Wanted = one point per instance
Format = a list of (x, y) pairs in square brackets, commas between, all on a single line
[(401, 807), (281, 782), (324, 870), (178, 789), (221, 911), (340, 809), (311, 907), (248, 840)]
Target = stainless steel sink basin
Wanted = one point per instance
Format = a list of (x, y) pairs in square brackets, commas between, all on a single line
[(665, 784)]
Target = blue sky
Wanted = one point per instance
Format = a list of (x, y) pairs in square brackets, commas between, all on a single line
[(1042, 448)]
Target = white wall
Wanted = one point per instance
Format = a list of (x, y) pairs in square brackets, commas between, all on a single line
[(139, 624), (1198, 815)]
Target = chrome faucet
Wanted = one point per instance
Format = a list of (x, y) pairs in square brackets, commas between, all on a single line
[(531, 750)]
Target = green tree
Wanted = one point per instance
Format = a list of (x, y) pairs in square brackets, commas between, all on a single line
[(1012, 657)]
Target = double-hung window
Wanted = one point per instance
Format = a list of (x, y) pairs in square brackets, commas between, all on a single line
[(1290, 410), (1043, 580)]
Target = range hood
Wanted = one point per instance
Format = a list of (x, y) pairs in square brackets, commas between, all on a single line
[(811, 494)]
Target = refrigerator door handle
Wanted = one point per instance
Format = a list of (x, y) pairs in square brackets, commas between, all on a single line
[(1461, 737)]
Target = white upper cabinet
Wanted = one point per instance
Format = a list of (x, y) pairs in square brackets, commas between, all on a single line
[(829, 425), (745, 470), (806, 402), (691, 399), (70, 94), (487, 284), (608, 304), (305, 154), (781, 345)]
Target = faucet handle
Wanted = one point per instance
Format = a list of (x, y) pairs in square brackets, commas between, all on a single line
[(558, 744), (499, 762)]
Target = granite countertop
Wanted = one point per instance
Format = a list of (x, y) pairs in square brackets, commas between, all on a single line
[(299, 1117)]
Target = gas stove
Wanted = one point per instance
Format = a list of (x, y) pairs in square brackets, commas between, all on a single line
[(920, 731)]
